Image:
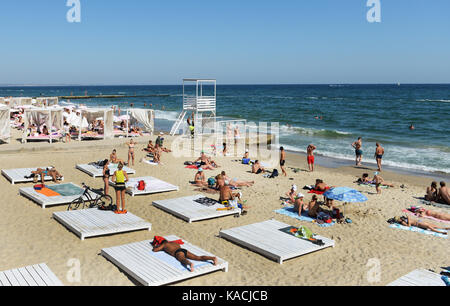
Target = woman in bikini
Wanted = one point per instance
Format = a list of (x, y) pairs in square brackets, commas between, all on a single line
[(432, 192), (52, 172), (433, 214), (406, 221), (106, 175), (131, 145)]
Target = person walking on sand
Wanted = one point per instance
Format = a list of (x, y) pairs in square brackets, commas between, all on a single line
[(174, 249), (379, 152), (310, 158), (283, 161), (120, 177), (358, 151)]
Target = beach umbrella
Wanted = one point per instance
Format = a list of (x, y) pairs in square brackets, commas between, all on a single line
[(345, 194)]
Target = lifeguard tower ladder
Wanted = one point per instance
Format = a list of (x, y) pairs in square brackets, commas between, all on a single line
[(203, 107)]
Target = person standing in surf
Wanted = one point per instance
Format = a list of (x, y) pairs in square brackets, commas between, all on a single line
[(358, 151), (379, 152)]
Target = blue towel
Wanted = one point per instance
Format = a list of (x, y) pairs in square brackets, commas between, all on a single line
[(172, 261), (417, 230), (289, 211)]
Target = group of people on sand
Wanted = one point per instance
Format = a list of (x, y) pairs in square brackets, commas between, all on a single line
[(440, 195), (377, 180), (156, 150)]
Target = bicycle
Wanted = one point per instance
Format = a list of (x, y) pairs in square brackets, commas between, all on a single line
[(102, 201)]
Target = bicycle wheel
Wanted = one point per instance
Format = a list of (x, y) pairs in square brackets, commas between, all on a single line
[(104, 201), (76, 204)]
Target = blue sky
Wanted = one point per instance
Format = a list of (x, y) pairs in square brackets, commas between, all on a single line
[(236, 42)]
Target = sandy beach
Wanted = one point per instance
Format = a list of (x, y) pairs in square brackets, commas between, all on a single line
[(29, 235)]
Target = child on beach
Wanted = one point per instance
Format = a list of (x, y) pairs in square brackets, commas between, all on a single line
[(182, 255), (120, 177)]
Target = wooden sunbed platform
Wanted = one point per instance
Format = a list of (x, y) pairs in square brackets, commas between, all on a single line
[(156, 269), (98, 172), (419, 278), (266, 239), (36, 275), (155, 186), (88, 223), (187, 209), (45, 201), (18, 175)]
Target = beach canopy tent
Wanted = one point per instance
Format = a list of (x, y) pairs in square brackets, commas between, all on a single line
[(5, 126), (141, 118), (46, 101), (51, 117), (83, 118), (18, 101)]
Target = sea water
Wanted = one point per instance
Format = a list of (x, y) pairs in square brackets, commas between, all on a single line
[(331, 117)]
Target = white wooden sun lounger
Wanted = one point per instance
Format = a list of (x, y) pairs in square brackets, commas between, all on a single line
[(18, 175), (187, 209), (98, 172), (88, 223), (36, 275), (156, 269), (267, 239), (419, 278), (155, 186), (45, 201)]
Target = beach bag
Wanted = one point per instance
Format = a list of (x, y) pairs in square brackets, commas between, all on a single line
[(304, 232), (211, 182), (246, 161), (274, 173), (324, 217), (141, 186)]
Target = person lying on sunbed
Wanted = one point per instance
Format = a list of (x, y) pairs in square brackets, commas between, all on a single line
[(182, 255), (52, 172), (432, 192), (422, 212), (257, 168), (200, 179), (235, 182), (408, 221)]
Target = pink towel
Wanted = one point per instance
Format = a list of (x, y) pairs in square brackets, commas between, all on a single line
[(428, 217)]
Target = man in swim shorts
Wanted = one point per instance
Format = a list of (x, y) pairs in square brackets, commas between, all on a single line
[(443, 195), (182, 255), (358, 151), (310, 158), (379, 152), (283, 161)]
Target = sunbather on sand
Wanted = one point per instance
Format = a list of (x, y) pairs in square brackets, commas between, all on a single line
[(113, 158), (174, 249), (432, 192), (150, 147), (407, 221), (379, 181), (443, 195), (320, 185), (257, 168), (226, 194), (205, 162), (235, 182), (313, 207), (298, 203), (422, 212), (292, 194), (200, 179)]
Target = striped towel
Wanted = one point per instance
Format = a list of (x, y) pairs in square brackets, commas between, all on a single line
[(417, 230)]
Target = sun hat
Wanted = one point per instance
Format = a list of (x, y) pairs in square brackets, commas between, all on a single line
[(294, 187), (300, 195)]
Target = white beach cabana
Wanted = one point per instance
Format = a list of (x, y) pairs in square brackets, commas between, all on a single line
[(142, 118), (51, 117), (19, 101), (82, 118), (46, 101), (5, 124)]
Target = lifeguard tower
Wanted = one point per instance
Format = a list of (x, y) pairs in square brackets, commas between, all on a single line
[(199, 98)]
